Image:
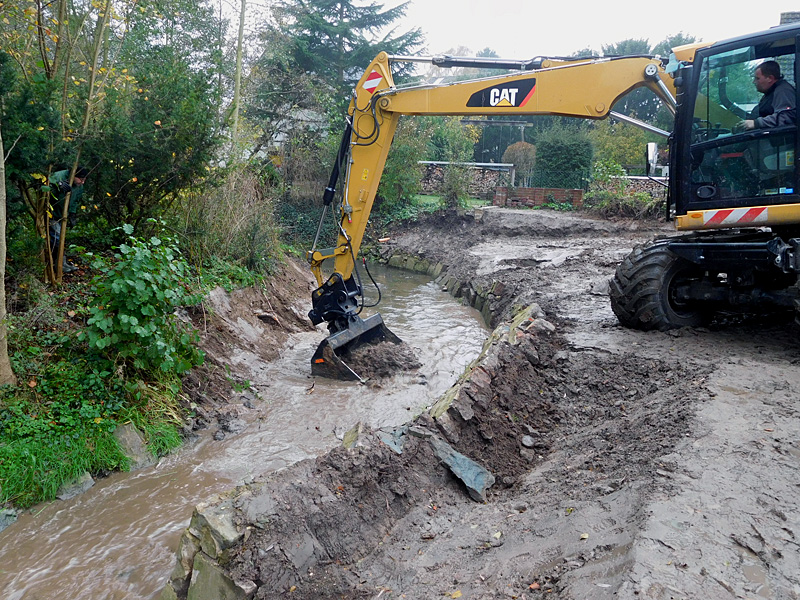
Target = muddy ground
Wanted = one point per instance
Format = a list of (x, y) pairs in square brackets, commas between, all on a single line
[(625, 464)]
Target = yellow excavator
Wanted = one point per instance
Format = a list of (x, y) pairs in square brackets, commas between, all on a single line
[(734, 190)]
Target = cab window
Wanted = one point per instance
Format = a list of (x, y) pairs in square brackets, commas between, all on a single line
[(727, 160)]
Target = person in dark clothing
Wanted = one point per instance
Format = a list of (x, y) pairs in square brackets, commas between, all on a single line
[(777, 105), (59, 182)]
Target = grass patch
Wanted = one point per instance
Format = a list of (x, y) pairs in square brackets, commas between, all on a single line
[(227, 275), (57, 424), (430, 203)]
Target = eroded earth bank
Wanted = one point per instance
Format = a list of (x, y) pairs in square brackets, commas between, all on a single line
[(574, 459)]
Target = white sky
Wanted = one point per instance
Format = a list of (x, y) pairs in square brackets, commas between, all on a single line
[(520, 29)]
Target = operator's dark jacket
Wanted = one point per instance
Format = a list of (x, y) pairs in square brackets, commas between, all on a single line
[(777, 106)]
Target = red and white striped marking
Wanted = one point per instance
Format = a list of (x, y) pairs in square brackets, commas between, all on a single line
[(372, 81), (735, 216)]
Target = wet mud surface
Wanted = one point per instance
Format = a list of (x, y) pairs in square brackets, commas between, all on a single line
[(626, 464)]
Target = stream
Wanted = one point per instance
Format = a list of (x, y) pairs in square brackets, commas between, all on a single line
[(118, 540)]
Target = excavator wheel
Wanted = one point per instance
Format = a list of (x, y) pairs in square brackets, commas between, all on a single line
[(643, 290)]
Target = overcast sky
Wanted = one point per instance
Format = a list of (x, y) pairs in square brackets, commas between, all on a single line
[(527, 28)]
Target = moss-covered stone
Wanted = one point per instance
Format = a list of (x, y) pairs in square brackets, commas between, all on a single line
[(212, 524), (396, 261)]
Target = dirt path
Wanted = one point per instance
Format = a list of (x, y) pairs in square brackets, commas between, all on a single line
[(625, 464)]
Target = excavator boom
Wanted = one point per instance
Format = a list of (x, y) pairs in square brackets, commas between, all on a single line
[(544, 87)]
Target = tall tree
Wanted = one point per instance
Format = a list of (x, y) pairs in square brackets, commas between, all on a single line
[(336, 39), (665, 46), (121, 85), (238, 77), (631, 46), (619, 143), (310, 55)]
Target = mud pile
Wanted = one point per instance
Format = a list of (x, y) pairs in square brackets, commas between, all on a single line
[(382, 359), (371, 517)]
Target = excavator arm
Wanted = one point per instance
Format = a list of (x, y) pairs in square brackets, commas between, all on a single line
[(583, 88)]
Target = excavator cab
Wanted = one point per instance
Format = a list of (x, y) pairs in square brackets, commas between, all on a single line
[(721, 165), (733, 190)]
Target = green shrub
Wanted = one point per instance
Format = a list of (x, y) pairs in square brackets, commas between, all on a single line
[(610, 195), (563, 158), (559, 206), (523, 156), (402, 176), (217, 272), (132, 315)]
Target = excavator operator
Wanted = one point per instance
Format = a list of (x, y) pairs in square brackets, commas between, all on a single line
[(777, 106)]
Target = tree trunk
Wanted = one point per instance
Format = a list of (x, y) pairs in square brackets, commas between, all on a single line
[(6, 374), (237, 91), (99, 37)]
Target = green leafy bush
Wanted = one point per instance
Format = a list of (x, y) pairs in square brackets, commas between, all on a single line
[(610, 195), (136, 295), (402, 175), (523, 156)]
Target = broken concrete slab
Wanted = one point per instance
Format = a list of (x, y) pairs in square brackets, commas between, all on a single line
[(477, 479)]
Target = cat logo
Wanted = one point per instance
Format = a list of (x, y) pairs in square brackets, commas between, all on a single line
[(515, 94), (506, 97)]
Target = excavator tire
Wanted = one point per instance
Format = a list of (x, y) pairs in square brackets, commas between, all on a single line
[(642, 290)]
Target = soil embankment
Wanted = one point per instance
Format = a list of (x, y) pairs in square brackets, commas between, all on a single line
[(575, 459)]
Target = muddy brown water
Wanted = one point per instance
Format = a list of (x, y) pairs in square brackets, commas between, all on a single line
[(118, 539)]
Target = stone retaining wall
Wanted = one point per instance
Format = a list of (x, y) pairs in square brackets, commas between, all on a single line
[(485, 300)]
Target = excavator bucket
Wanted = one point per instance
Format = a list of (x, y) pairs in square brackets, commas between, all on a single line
[(333, 351)]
